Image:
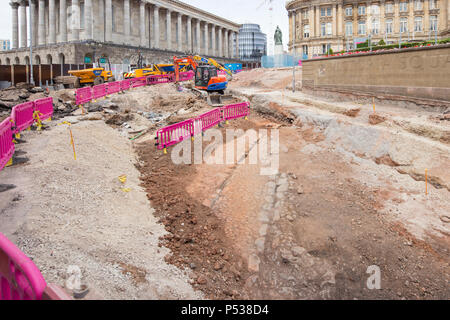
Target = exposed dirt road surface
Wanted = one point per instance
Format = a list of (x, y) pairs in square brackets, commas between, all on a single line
[(348, 196)]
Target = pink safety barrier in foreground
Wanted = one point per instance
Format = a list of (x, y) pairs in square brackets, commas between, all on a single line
[(186, 76), (83, 95), (210, 118), (125, 84), (99, 91), (174, 134), (6, 142), (234, 111), (20, 279), (22, 116), (113, 87), (138, 82), (44, 107)]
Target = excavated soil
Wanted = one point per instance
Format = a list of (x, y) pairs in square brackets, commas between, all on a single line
[(309, 232)]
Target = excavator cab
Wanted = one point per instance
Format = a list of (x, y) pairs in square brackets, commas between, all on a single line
[(206, 78)]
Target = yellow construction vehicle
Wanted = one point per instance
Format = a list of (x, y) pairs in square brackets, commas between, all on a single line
[(93, 76), (210, 61)]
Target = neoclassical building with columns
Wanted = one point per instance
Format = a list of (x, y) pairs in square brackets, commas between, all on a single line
[(67, 31), (318, 25)]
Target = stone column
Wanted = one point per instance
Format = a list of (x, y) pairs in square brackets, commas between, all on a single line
[(169, 29), (236, 35), (226, 44), (206, 52), (142, 24), (334, 24), (317, 20), (108, 20), (88, 19), (126, 21), (75, 28), (198, 36), (410, 19), (294, 28), (426, 18), (340, 16), (213, 40), (382, 21), (15, 25), (180, 30), (311, 22), (23, 24), (189, 33), (156, 26), (396, 18), (220, 42), (63, 20), (51, 21), (33, 21)]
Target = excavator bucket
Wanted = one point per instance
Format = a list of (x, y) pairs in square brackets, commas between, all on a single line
[(219, 100)]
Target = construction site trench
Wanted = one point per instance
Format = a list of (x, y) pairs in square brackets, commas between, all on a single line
[(349, 193)]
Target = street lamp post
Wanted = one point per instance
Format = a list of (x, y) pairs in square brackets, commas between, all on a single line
[(31, 44)]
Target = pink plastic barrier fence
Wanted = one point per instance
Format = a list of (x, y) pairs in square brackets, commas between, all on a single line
[(234, 111), (113, 87), (164, 78), (186, 76), (6, 142), (210, 118), (138, 82), (125, 84), (22, 115), (99, 91), (44, 107), (20, 279), (174, 134), (83, 95)]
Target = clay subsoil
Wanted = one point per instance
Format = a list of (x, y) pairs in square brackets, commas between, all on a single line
[(309, 232)]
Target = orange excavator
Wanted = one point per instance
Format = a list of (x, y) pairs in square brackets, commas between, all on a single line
[(206, 77), (208, 84)]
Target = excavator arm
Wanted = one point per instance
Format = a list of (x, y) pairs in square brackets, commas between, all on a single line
[(185, 60), (214, 63)]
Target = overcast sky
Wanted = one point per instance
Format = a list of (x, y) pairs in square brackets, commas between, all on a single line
[(240, 11)]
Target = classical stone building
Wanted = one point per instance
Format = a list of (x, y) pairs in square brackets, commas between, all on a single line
[(318, 25), (68, 31)]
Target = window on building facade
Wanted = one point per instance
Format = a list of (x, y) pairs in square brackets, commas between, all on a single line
[(418, 24), (361, 27), (432, 4), (389, 26), (375, 9), (348, 11), (323, 12), (305, 50), (329, 29), (305, 14), (323, 30), (418, 5), (389, 7), (362, 10), (329, 11), (403, 25), (433, 23), (375, 26), (306, 31), (403, 6), (349, 28)]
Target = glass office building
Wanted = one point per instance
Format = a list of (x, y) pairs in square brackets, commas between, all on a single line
[(252, 42)]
